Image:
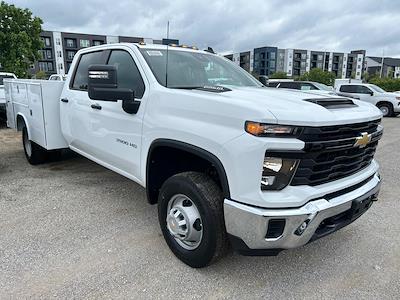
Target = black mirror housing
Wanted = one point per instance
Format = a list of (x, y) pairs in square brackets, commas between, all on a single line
[(263, 79), (103, 85)]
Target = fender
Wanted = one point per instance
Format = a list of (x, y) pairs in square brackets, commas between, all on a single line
[(204, 154)]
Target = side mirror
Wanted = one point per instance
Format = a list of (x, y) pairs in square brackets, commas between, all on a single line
[(263, 79), (103, 86), (371, 93)]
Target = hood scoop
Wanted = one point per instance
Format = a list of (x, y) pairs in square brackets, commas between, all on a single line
[(333, 103)]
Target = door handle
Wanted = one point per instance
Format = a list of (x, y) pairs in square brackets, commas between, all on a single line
[(96, 106), (65, 100)]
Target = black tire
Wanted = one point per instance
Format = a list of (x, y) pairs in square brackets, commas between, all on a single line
[(207, 197), (33, 152), (386, 107)]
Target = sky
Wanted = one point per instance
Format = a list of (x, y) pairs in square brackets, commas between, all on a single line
[(235, 25)]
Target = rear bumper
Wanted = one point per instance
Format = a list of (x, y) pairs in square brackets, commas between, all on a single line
[(261, 231)]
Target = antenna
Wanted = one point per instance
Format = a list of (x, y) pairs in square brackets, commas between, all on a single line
[(166, 63)]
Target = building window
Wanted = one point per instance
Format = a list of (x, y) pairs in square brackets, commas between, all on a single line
[(358, 73), (58, 41), (46, 41), (319, 65), (71, 43), (359, 59), (303, 64), (272, 64), (70, 55), (84, 43), (50, 66), (273, 55), (59, 54), (290, 63), (97, 43), (303, 56), (49, 54), (319, 56), (358, 67), (60, 66)]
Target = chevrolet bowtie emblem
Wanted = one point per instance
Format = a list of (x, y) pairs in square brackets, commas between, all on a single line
[(362, 140)]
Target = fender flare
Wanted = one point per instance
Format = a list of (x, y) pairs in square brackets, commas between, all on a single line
[(204, 154), (25, 121)]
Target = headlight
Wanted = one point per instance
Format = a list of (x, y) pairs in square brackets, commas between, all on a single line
[(277, 172), (272, 130)]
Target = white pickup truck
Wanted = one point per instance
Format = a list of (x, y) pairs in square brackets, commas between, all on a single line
[(228, 161)]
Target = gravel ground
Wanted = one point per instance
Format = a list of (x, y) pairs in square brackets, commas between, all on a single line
[(72, 229)]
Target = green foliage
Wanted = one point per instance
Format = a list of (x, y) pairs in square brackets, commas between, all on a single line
[(386, 83), (19, 39), (278, 75), (318, 75), (41, 75)]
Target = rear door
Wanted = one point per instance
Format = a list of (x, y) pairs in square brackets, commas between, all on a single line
[(75, 108)]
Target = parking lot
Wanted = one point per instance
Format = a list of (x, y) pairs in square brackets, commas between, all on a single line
[(73, 229)]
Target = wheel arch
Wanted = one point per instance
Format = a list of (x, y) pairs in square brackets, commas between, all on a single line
[(19, 123), (182, 148)]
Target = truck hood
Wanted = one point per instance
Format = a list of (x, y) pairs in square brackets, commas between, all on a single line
[(389, 95), (290, 106)]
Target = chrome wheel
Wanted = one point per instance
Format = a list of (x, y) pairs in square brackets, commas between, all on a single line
[(384, 110), (184, 222), (27, 144)]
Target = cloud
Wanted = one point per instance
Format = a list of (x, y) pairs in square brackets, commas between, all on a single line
[(239, 25)]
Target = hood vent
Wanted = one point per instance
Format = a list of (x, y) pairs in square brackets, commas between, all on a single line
[(333, 103)]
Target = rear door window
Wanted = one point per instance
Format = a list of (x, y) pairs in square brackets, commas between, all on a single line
[(289, 85), (348, 88)]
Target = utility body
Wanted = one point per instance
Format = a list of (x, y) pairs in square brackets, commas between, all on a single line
[(229, 161)]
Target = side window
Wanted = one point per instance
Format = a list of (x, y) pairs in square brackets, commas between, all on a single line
[(363, 90), (128, 74), (273, 84), (288, 85), (81, 73), (348, 88), (307, 87)]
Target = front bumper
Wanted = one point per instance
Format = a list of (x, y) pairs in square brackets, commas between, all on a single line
[(261, 231)]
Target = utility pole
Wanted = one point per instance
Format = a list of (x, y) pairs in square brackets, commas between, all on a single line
[(383, 57)]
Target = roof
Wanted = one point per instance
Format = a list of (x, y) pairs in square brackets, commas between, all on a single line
[(389, 61)]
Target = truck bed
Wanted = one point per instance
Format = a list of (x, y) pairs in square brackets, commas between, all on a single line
[(38, 102)]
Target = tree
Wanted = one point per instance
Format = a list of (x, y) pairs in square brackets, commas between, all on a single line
[(278, 75), (320, 76), (19, 39), (41, 75)]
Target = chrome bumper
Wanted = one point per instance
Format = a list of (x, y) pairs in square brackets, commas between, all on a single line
[(249, 225)]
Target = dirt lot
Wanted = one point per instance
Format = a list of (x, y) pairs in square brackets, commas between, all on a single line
[(72, 229)]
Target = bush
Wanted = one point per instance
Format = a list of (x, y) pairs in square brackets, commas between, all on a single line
[(388, 84), (318, 75), (41, 75), (278, 75)]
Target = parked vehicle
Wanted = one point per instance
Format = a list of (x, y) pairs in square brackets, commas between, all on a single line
[(306, 86), (2, 96), (388, 103), (227, 161), (58, 77), (339, 82)]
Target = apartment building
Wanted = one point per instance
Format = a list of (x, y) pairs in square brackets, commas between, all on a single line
[(61, 47), (295, 62), (385, 67)]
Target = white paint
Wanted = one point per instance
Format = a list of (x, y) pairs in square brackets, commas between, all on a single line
[(58, 52)]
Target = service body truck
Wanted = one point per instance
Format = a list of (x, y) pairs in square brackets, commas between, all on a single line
[(3, 76), (230, 162)]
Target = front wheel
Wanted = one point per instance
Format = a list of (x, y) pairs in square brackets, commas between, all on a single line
[(33, 152), (190, 211), (386, 109)]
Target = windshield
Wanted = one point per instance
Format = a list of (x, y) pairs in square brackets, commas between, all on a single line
[(376, 88), (323, 87), (2, 77), (190, 69)]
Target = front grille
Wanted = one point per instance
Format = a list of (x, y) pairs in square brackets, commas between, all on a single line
[(329, 153)]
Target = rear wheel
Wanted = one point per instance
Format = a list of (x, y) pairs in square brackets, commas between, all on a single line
[(386, 109), (190, 211), (33, 152)]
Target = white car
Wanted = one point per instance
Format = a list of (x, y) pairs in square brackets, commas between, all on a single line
[(3, 76), (58, 77), (388, 103), (228, 162)]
